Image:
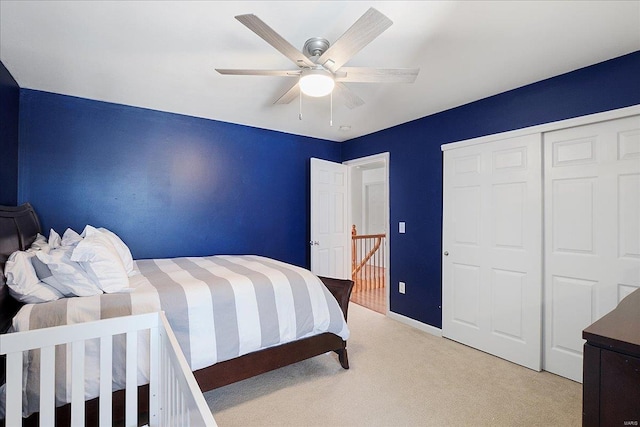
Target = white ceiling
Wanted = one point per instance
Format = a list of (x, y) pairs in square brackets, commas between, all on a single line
[(161, 54)]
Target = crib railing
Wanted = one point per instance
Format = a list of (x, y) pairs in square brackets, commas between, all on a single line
[(174, 395)]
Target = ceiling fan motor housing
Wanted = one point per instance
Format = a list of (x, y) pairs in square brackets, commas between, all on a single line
[(314, 47)]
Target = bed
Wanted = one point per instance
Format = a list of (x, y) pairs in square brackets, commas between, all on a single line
[(19, 227)]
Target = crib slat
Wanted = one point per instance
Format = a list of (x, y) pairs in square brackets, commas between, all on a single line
[(166, 385), (77, 383), (167, 390), (131, 393), (183, 412), (161, 396), (171, 403), (174, 400), (172, 395), (183, 382), (106, 373), (154, 375), (13, 413), (47, 384), (179, 410)]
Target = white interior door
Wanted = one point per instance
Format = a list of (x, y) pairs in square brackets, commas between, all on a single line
[(492, 227), (592, 237), (330, 230)]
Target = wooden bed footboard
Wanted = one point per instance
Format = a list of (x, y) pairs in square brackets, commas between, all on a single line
[(341, 290)]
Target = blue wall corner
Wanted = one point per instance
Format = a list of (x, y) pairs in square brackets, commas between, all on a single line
[(9, 115), (415, 163)]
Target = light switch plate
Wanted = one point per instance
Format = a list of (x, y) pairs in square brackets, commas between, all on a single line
[(401, 227)]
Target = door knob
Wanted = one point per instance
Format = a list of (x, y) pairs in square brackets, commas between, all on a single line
[(446, 253)]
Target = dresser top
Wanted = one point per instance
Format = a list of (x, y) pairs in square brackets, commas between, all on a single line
[(618, 330)]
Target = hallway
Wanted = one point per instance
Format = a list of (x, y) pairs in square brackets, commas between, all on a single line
[(373, 299), (369, 290)]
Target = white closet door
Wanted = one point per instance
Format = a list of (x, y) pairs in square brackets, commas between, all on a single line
[(592, 232), (492, 228)]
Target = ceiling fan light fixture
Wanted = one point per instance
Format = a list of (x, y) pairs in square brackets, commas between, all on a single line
[(316, 82)]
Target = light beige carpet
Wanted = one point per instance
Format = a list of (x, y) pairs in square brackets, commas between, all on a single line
[(399, 376)]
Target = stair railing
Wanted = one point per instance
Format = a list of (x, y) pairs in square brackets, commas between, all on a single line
[(367, 260)]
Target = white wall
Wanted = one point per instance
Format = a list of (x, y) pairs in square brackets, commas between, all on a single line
[(361, 178), (374, 201)]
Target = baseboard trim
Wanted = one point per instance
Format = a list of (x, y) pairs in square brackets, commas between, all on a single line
[(414, 323)]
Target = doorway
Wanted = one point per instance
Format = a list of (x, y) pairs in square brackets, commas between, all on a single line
[(369, 203)]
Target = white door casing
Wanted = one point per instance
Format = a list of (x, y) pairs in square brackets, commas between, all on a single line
[(330, 229), (380, 164), (592, 233), (492, 263)]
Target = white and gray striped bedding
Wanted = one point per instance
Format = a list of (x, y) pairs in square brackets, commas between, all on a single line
[(219, 307)]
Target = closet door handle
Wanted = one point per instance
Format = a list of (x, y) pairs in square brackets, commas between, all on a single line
[(446, 253)]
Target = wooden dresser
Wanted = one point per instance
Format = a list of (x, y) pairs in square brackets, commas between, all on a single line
[(611, 370)]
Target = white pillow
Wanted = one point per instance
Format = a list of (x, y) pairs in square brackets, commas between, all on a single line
[(40, 268), (71, 277), (120, 246), (70, 238), (43, 272), (101, 261), (40, 244), (23, 282), (54, 239)]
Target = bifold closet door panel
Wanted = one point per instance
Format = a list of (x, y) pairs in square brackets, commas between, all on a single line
[(492, 248), (592, 232)]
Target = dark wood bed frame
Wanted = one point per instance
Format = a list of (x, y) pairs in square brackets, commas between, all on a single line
[(18, 229)]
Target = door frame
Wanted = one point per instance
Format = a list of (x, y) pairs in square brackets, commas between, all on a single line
[(362, 161)]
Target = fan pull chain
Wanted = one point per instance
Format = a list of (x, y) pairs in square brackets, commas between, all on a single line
[(331, 110), (300, 112)]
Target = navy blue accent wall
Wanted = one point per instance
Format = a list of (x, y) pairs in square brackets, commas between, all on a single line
[(415, 163), (169, 185), (9, 114)]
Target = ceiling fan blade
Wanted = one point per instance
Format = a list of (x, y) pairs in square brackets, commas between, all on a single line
[(258, 26), (351, 100), (289, 95), (361, 33), (376, 75), (276, 73)]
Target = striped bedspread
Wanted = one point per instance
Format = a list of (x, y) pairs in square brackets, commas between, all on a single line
[(219, 307)]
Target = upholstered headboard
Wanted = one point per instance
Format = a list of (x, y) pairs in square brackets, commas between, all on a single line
[(19, 227)]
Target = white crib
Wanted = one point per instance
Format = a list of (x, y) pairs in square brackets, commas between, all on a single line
[(174, 396)]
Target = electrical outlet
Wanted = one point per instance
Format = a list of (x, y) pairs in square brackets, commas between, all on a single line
[(401, 287)]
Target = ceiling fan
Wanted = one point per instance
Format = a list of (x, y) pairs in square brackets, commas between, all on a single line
[(320, 64)]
